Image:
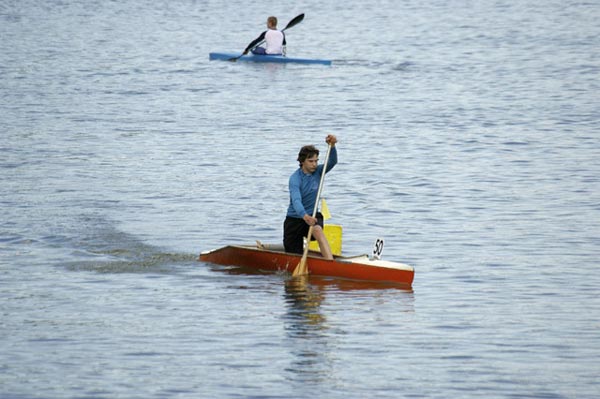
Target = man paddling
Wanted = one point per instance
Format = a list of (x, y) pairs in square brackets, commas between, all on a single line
[(274, 39), (303, 187)]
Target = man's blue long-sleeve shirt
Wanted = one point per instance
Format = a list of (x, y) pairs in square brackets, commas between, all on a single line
[(304, 187)]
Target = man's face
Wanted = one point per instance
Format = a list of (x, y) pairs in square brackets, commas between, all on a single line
[(310, 164)]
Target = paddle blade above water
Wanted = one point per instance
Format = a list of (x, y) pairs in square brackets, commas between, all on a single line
[(295, 21)]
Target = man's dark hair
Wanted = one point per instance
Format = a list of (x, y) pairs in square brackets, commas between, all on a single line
[(306, 152)]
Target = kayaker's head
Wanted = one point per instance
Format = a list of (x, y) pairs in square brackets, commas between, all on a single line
[(308, 157), (272, 22)]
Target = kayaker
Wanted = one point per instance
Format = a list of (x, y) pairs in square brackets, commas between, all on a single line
[(274, 40), (303, 187)]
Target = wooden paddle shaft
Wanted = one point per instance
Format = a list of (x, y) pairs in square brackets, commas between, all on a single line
[(315, 209)]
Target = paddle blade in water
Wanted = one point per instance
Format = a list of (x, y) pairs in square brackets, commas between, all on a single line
[(300, 269)]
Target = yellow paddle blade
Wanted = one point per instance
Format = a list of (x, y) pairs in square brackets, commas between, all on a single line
[(333, 233), (325, 210)]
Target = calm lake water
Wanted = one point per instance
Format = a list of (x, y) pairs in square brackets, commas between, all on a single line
[(469, 139)]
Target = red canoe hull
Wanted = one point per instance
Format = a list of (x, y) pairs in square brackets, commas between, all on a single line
[(355, 268)]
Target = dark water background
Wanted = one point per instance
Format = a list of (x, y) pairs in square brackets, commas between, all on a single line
[(468, 139)]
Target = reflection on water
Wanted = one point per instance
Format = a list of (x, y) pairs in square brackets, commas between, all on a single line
[(303, 302), (336, 284), (306, 327), (316, 331)]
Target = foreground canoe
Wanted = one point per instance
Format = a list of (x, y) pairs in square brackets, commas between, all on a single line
[(267, 58), (354, 268)]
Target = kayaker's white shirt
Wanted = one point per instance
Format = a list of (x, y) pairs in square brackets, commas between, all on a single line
[(274, 39)]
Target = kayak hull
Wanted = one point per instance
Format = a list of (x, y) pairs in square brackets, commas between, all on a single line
[(279, 59), (354, 268)]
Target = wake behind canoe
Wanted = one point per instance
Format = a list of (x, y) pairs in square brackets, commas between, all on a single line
[(280, 59)]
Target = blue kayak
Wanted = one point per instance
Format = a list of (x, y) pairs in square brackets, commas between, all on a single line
[(266, 58)]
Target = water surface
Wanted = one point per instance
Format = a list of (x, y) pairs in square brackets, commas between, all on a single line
[(468, 139)]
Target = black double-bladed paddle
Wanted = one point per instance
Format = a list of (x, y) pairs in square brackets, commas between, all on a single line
[(295, 21)]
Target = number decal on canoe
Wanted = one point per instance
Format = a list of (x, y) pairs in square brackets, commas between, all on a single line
[(378, 248)]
